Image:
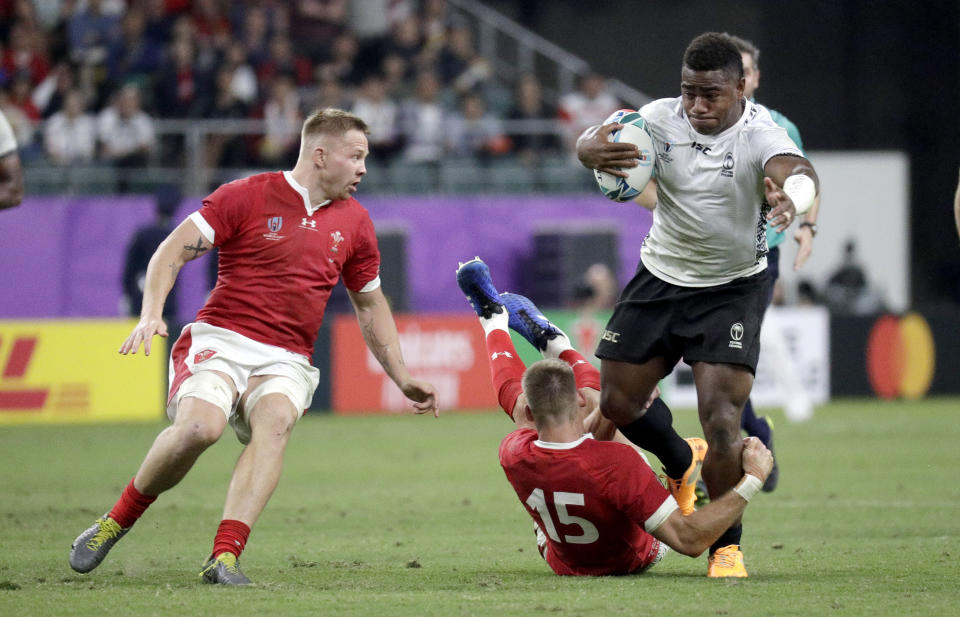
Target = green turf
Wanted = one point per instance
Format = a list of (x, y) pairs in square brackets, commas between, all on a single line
[(412, 516)]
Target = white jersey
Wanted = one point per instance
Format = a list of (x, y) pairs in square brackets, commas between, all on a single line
[(709, 226), (8, 143)]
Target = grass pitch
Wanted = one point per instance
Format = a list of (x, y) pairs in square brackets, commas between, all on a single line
[(412, 516)]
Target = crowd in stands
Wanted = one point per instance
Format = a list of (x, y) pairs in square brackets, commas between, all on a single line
[(85, 80)]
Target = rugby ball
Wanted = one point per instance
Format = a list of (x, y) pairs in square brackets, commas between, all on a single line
[(635, 132)]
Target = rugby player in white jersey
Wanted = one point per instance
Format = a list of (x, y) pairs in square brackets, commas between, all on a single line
[(724, 169)]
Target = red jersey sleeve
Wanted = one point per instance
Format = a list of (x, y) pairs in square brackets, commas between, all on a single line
[(363, 266), (637, 492), (224, 210)]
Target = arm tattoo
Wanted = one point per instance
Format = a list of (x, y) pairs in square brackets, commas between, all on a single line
[(199, 248)]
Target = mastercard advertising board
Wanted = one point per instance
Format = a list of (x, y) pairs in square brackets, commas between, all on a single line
[(70, 371)]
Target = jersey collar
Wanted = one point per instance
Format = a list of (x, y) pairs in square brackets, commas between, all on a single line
[(568, 445), (304, 193)]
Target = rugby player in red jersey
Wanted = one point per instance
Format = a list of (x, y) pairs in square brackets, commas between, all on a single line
[(285, 238), (597, 506)]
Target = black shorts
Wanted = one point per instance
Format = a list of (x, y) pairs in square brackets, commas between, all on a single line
[(655, 319)]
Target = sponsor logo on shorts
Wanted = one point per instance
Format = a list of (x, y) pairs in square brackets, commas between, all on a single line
[(609, 335), (736, 335), (202, 356)]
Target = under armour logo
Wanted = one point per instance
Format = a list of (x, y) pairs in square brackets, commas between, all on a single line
[(578, 362), (496, 354), (305, 222)]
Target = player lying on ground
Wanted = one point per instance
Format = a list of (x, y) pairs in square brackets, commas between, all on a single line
[(597, 505)]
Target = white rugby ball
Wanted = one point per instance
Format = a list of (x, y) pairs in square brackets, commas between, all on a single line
[(635, 132)]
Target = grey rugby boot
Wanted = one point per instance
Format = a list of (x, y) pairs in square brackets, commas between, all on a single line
[(224, 569), (92, 546)]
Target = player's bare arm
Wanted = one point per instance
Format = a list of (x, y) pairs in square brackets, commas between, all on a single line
[(380, 333), (184, 244), (778, 171), (11, 181), (805, 234), (596, 151), (693, 534)]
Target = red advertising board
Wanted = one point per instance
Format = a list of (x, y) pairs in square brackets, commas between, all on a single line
[(446, 350)]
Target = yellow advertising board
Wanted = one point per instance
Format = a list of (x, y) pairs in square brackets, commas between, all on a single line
[(70, 371)]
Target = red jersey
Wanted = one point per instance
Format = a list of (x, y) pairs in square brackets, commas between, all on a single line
[(594, 500), (280, 257)]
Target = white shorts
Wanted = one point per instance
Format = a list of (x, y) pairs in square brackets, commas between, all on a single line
[(202, 347)]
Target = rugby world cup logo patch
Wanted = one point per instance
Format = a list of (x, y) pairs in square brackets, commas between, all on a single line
[(274, 223)]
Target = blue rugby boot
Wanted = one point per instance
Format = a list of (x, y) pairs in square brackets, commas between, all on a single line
[(474, 280), (527, 321)]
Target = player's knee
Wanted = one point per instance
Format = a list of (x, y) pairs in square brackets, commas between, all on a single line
[(274, 406), (204, 402), (617, 407)]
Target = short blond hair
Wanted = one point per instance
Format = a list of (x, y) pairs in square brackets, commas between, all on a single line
[(551, 390), (331, 121)]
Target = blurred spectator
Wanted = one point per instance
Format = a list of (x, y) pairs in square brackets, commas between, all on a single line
[(126, 134), (70, 135), (848, 290), (381, 113), (20, 90), (371, 20), (423, 121), (435, 24), (315, 23), (158, 23), (599, 289), (226, 149), (342, 63), (395, 70), (50, 94), (255, 34), (211, 23), (133, 56), (331, 93), (179, 90), (243, 79), (20, 124), (406, 41), (459, 64), (473, 132), (25, 54), (89, 31), (529, 105), (283, 60), (589, 105), (807, 294), (281, 114), (141, 248)]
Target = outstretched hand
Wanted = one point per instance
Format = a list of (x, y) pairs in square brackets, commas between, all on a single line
[(783, 211), (804, 238), (596, 151), (423, 395), (143, 333)]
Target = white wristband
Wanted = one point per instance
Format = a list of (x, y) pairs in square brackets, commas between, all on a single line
[(748, 487), (801, 190)]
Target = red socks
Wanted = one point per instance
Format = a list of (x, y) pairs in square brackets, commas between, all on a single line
[(231, 537), (586, 375), (130, 506), (506, 368)]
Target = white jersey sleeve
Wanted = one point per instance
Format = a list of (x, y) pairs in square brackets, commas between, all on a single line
[(709, 226), (8, 142)]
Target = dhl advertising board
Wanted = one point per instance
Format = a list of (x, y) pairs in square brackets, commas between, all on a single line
[(70, 371), (446, 350)]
